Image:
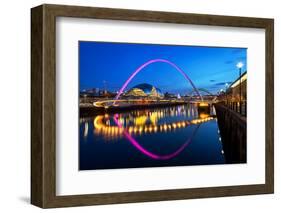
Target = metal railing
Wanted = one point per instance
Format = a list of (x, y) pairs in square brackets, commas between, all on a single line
[(238, 107)]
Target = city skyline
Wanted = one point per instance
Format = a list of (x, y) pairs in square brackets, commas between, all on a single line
[(107, 66)]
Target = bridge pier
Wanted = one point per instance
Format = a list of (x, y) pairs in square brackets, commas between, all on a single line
[(233, 131), (204, 109)]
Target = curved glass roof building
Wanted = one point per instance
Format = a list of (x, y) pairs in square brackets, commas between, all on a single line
[(145, 90)]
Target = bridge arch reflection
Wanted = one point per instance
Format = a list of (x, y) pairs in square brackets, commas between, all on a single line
[(150, 154)]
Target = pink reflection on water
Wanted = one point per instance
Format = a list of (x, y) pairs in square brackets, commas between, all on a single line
[(148, 153)]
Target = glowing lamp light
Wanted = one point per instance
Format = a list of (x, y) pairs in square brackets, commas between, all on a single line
[(203, 115), (203, 104), (239, 65)]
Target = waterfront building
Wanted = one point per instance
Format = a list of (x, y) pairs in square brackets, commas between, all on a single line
[(145, 90), (233, 92), (235, 96)]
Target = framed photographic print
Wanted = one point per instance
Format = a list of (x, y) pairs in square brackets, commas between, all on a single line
[(135, 106)]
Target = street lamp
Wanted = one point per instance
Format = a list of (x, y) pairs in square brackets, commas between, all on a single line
[(239, 66), (226, 85), (226, 98)]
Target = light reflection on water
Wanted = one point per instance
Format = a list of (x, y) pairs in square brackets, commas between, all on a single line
[(147, 121), (160, 130)]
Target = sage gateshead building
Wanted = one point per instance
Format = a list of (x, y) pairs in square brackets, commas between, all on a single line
[(145, 91)]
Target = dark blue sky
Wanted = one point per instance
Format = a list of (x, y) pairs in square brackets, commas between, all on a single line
[(110, 64)]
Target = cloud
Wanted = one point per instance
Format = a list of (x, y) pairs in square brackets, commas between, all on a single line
[(212, 80), (222, 83)]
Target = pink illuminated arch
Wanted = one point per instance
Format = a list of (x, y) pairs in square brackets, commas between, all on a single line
[(151, 62)]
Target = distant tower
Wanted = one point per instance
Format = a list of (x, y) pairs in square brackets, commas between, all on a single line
[(104, 85)]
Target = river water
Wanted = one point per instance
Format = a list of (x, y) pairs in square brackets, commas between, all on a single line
[(172, 136)]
